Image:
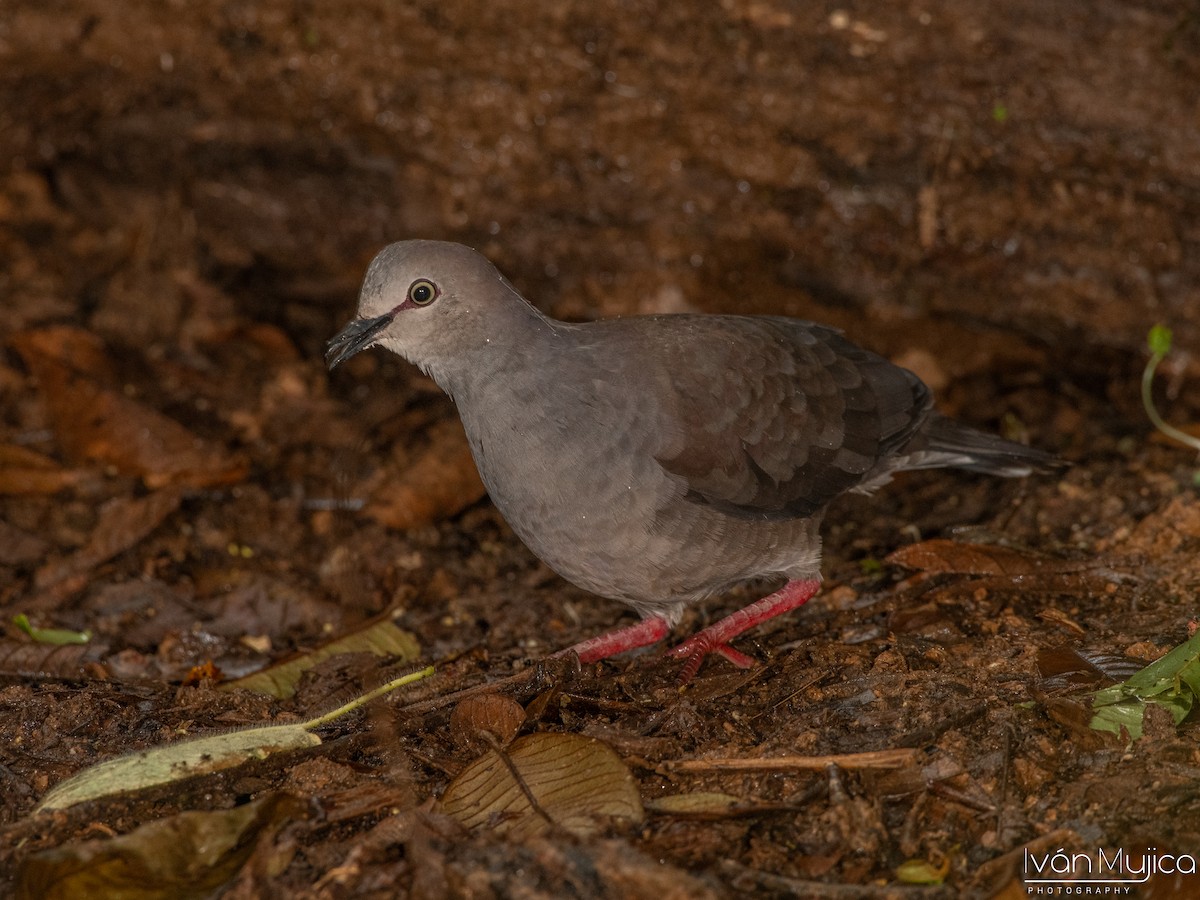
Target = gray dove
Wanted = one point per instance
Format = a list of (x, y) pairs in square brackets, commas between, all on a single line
[(659, 460)]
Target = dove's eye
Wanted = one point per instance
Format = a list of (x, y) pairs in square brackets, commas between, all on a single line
[(422, 292)]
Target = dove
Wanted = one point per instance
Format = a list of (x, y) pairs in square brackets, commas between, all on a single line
[(659, 460)]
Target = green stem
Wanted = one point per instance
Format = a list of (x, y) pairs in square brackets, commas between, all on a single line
[(367, 698), (1148, 401)]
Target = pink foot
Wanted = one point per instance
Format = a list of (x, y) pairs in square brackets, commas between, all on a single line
[(647, 631), (715, 638)]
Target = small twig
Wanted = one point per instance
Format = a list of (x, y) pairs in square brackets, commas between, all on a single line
[(746, 879), (430, 762), (423, 706), (1005, 771), (542, 670), (873, 759), (946, 792), (810, 682)]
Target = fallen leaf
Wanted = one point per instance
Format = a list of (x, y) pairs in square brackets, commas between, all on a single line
[(383, 637), (175, 762), (1062, 667), (1061, 619), (485, 719), (543, 781), (96, 422), (1171, 682), (24, 472), (922, 871), (438, 484), (18, 548), (202, 755), (189, 855), (56, 660), (123, 522), (1075, 716), (244, 600), (941, 555), (57, 636)]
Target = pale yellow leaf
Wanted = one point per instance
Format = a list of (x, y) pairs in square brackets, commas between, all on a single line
[(577, 783), (202, 755), (174, 762), (382, 638), (695, 803)]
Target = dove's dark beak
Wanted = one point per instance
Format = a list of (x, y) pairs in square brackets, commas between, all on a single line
[(358, 335)]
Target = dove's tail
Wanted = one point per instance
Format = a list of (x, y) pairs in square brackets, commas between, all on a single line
[(945, 444)]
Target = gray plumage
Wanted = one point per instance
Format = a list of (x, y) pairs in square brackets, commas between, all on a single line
[(657, 460)]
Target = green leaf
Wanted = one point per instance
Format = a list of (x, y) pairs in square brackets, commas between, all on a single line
[(1118, 717), (870, 566), (1172, 682), (922, 871), (1159, 340), (56, 636)]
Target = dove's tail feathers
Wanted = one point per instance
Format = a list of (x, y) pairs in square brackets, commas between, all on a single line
[(944, 444)]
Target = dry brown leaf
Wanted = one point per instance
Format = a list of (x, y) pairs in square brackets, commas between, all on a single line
[(24, 472), (575, 783), (18, 482), (1068, 667), (1076, 716), (481, 720), (74, 347), (941, 555), (122, 523), (191, 854), (18, 547), (440, 483), (244, 601), (26, 658), (383, 637), (98, 423)]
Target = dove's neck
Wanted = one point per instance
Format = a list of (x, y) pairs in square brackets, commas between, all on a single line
[(508, 345)]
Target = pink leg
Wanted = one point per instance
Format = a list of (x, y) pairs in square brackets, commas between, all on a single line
[(715, 638), (647, 631)]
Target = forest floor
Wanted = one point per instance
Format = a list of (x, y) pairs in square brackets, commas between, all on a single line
[(1002, 197)]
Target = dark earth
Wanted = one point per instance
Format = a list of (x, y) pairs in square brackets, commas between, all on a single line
[(1002, 197)]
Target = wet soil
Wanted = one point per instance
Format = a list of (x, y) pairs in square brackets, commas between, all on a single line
[(1003, 197)]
